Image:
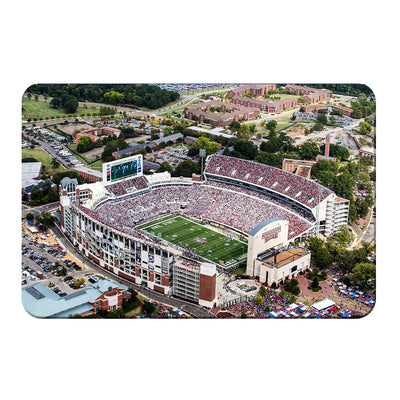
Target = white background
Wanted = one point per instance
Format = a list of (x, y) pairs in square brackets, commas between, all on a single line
[(202, 41)]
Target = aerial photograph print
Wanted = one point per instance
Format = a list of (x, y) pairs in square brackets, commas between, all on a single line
[(198, 201)]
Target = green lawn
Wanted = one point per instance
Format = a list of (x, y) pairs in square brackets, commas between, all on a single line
[(182, 231), (40, 155), (88, 162), (42, 110)]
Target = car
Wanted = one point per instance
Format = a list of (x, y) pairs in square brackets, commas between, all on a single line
[(62, 294)]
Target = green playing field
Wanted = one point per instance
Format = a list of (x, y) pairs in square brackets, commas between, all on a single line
[(200, 239)]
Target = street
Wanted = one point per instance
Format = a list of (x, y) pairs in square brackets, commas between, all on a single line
[(195, 310)]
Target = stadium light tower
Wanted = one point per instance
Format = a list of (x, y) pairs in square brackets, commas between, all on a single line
[(202, 154)]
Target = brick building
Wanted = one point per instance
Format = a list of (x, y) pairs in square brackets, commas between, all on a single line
[(335, 107), (368, 151), (88, 174), (229, 112), (254, 89), (310, 95), (298, 167), (97, 133)]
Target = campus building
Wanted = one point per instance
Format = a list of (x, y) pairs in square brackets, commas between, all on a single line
[(368, 151), (97, 133), (230, 112), (335, 107), (195, 282), (254, 89), (268, 106), (270, 258), (88, 174), (310, 95), (299, 167), (41, 302)]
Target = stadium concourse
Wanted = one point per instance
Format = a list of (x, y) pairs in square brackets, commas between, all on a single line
[(241, 197)]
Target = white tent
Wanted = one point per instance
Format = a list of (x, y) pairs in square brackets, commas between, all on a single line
[(323, 304), (33, 229)]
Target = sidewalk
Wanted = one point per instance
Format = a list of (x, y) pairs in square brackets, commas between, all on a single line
[(326, 290)]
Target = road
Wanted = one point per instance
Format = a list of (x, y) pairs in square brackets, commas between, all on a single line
[(193, 309)]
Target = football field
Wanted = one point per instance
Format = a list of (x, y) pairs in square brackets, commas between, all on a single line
[(200, 239)]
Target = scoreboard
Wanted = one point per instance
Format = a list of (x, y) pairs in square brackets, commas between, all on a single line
[(120, 169)]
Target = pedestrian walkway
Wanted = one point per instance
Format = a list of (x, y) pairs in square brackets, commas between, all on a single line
[(326, 291)]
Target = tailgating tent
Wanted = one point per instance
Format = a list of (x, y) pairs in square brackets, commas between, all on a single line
[(322, 305), (272, 314), (33, 229)]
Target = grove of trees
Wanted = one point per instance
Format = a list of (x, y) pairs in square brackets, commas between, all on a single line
[(139, 95)]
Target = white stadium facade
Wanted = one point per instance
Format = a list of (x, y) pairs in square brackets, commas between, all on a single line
[(270, 207)]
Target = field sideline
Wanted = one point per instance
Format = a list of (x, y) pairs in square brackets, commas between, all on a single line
[(203, 241)]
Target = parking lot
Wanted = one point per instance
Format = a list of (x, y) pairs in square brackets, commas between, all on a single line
[(49, 264)]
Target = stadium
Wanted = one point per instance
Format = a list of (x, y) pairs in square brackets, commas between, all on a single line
[(173, 234)]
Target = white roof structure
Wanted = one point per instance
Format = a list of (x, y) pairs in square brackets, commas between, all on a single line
[(323, 304), (82, 168), (30, 171), (158, 177), (98, 191), (214, 131)]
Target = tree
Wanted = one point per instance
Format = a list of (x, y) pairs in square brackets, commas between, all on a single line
[(326, 178), (29, 217), (84, 144), (365, 163), (244, 132), (322, 166), (322, 119), (271, 126), (187, 168), (70, 105), (363, 275), (344, 235), (234, 126), (148, 308), (78, 283), (274, 160), (211, 147), (259, 300), (344, 184), (263, 291), (362, 207), (247, 148), (252, 128), (315, 284), (365, 127), (357, 113), (337, 151), (165, 166), (55, 163), (372, 175), (44, 220), (308, 150), (273, 144)]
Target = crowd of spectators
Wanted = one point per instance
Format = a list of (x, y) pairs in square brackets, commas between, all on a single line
[(297, 188), (201, 201), (263, 196), (271, 303), (128, 186)]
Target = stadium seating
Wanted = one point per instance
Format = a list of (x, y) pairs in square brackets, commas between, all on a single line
[(302, 190), (210, 201), (128, 186)]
